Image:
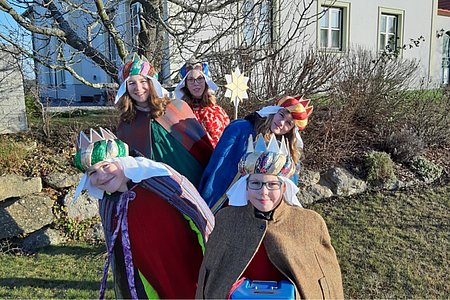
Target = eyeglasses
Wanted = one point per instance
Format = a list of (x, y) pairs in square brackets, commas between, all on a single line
[(270, 185), (197, 80)]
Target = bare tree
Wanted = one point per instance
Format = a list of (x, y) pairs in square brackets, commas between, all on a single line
[(106, 31)]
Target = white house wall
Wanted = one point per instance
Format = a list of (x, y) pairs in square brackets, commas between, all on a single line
[(72, 89), (13, 117), (364, 21), (420, 19), (207, 32)]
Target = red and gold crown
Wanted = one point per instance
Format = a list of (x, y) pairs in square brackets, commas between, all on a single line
[(299, 108)]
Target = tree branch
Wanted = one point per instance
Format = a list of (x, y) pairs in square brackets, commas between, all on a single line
[(4, 6), (109, 26), (74, 40)]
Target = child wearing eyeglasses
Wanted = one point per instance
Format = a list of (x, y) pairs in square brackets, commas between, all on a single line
[(196, 88), (284, 119), (265, 236)]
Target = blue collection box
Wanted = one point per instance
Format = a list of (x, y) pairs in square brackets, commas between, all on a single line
[(254, 289)]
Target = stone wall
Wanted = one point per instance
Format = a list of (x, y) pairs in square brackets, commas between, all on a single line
[(27, 210), (13, 116)]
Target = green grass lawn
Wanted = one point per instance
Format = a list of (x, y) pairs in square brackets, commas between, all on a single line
[(78, 117), (390, 245), (92, 117), (69, 272)]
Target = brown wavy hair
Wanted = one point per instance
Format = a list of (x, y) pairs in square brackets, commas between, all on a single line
[(127, 106), (262, 126), (208, 99)]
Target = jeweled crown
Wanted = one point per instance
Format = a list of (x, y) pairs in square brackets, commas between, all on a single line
[(136, 65), (203, 67), (273, 158)]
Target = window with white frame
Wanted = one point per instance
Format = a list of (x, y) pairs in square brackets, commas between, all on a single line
[(390, 29), (248, 25), (46, 46), (50, 77), (135, 22), (388, 32), (333, 25), (112, 49), (62, 78), (60, 74), (331, 28), (264, 23)]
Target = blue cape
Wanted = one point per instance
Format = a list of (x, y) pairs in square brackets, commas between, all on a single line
[(223, 164)]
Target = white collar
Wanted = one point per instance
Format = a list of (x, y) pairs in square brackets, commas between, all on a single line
[(135, 168)]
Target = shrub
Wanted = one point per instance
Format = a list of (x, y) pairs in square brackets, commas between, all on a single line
[(379, 168), (30, 105), (12, 155), (426, 169), (426, 111), (403, 145), (285, 73), (370, 88)]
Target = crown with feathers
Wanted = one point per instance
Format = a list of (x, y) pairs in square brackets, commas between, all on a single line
[(273, 158), (98, 147)]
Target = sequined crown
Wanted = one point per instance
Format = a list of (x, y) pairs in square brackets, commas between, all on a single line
[(273, 158), (136, 65), (98, 147)]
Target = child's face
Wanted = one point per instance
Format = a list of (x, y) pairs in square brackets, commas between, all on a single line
[(108, 177), (195, 83), (282, 122), (139, 89), (269, 195)]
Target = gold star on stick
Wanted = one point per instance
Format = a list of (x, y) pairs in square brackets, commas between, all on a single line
[(236, 88)]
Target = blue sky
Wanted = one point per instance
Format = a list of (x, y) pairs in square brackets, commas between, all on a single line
[(7, 24), (7, 20)]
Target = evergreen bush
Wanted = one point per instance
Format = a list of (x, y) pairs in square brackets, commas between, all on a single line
[(379, 168), (426, 169)]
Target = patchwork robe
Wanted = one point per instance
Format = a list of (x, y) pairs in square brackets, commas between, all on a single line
[(176, 139), (167, 226)]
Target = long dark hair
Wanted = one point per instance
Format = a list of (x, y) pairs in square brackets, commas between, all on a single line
[(208, 99), (262, 126)]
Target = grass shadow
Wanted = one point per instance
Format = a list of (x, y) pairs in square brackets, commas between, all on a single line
[(17, 282)]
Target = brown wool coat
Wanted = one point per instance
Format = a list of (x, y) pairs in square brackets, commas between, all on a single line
[(297, 243)]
